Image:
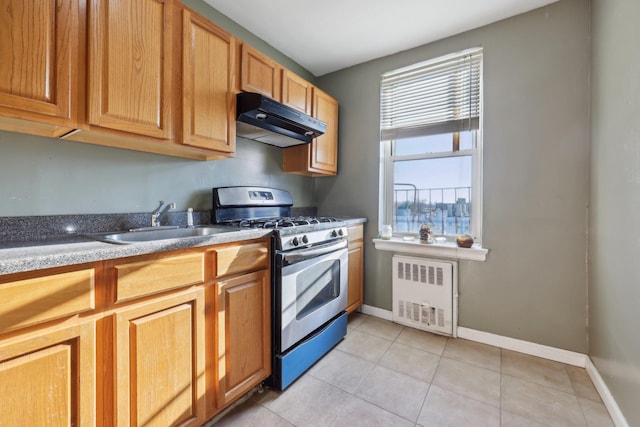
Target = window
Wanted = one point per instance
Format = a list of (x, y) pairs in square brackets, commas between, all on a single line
[(431, 146)]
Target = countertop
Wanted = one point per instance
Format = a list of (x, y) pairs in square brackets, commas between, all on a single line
[(21, 256), (77, 249), (351, 221)]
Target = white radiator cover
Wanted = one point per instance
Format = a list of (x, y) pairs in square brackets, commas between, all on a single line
[(425, 294)]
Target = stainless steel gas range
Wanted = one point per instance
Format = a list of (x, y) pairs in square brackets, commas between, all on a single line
[(309, 275)]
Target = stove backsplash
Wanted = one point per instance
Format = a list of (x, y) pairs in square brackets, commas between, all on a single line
[(21, 228), (304, 211), (27, 228)]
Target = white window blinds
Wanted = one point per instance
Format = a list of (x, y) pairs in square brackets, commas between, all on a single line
[(432, 97)]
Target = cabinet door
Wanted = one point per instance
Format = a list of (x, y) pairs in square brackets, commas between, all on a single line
[(355, 284), (47, 378), (129, 56), (39, 60), (244, 334), (296, 92), (324, 149), (208, 79), (321, 156), (259, 73), (160, 361)]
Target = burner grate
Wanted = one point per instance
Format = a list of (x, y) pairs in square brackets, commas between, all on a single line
[(280, 222)]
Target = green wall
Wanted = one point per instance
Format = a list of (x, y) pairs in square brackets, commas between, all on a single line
[(536, 150), (614, 231), (42, 176)]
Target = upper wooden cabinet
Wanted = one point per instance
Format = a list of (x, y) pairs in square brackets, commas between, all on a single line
[(130, 59), (259, 73), (208, 80), (161, 78), (324, 149), (296, 92), (39, 45), (263, 75), (321, 156)]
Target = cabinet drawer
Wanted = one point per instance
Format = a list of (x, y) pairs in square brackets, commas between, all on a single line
[(240, 258), (355, 233), (31, 301), (142, 278)]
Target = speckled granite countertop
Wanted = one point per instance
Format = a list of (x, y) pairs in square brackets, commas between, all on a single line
[(78, 249), (351, 221), (60, 250)]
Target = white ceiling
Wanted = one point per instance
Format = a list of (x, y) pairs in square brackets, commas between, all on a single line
[(329, 35)]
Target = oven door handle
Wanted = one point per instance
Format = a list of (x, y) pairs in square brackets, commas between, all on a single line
[(306, 253)]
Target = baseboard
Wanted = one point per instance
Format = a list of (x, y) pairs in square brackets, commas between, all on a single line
[(377, 312), (607, 398), (526, 347)]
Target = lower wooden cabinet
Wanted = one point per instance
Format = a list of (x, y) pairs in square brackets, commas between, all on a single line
[(243, 334), (154, 340), (47, 377), (159, 361), (355, 296)]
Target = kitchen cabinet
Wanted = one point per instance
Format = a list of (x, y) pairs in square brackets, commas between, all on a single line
[(168, 338), (263, 75), (130, 66), (320, 158), (47, 348), (259, 73), (208, 81), (47, 377), (152, 275), (159, 362), (244, 334), (31, 299), (160, 78), (39, 54), (240, 332), (151, 340), (296, 92), (355, 295)]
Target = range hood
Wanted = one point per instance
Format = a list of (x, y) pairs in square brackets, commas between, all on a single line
[(264, 120)]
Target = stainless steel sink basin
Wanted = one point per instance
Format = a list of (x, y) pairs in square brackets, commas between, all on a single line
[(148, 235)]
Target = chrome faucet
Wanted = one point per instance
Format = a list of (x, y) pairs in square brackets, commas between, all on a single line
[(158, 214)]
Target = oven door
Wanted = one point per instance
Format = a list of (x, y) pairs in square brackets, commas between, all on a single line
[(313, 290)]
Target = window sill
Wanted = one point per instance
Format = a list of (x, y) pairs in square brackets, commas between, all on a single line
[(440, 250)]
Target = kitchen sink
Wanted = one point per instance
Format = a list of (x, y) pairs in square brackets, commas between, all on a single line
[(150, 235)]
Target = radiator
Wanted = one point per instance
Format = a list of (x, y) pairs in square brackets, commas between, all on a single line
[(423, 293)]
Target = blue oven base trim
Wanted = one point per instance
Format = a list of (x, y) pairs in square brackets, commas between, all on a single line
[(290, 365)]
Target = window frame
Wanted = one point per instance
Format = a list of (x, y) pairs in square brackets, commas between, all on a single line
[(388, 159)]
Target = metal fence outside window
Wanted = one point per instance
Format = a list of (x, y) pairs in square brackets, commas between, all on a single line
[(448, 210)]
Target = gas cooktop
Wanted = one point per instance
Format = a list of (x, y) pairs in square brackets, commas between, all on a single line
[(280, 222)]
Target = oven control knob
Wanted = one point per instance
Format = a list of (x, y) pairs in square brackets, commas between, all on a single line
[(340, 232), (305, 239), (334, 233), (294, 241)]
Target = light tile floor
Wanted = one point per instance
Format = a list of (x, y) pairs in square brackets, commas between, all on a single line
[(384, 374)]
